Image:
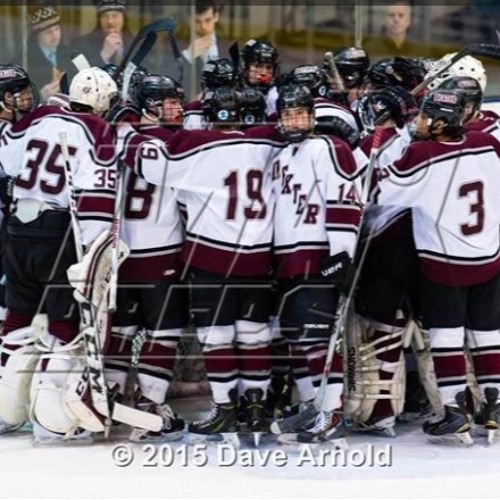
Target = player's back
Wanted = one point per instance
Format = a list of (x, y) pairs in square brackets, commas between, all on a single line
[(223, 185)]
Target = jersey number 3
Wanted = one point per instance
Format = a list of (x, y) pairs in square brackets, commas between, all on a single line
[(475, 191)]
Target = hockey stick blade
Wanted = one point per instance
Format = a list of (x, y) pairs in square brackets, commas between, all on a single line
[(172, 40), (167, 24), (234, 54)]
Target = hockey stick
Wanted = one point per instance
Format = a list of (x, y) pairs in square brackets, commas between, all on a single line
[(335, 72), (154, 27), (141, 53), (474, 49), (172, 40), (234, 54), (345, 301), (111, 410)]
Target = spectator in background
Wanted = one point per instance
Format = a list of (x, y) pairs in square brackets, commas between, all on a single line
[(205, 46), (109, 40), (48, 57), (394, 40)]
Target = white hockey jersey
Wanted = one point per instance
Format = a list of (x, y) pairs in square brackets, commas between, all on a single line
[(317, 186), (31, 151), (152, 225), (222, 182), (452, 188)]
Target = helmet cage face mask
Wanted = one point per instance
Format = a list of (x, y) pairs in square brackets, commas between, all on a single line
[(295, 97)]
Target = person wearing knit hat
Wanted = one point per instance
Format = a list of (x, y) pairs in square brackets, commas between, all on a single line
[(109, 40), (48, 58)]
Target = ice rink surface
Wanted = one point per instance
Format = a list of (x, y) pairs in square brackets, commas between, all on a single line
[(372, 468)]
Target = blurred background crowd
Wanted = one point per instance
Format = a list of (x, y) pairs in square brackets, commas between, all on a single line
[(45, 37)]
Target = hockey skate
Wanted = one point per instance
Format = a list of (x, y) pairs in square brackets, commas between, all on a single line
[(255, 414), (5, 428), (288, 428), (453, 428), (220, 426), (172, 429), (488, 420), (380, 427), (328, 428)]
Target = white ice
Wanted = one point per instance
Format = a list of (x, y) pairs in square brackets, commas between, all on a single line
[(417, 470)]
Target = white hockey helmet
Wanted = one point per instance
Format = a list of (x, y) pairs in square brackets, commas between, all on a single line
[(95, 88), (467, 66)]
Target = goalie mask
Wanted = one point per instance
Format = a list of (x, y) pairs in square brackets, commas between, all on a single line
[(161, 99), (295, 106), (217, 73), (93, 88), (314, 78), (222, 106), (467, 66), (17, 92), (260, 64), (471, 90), (352, 64)]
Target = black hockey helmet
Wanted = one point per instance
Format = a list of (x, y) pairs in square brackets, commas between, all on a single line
[(217, 73), (260, 51), (295, 95), (253, 106), (446, 105), (152, 90), (469, 87), (312, 77), (223, 105), (401, 71), (395, 103), (14, 79), (352, 64)]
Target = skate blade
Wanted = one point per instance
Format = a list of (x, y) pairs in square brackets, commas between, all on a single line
[(287, 438), (375, 431), (335, 444), (492, 435), (51, 441), (256, 438), (457, 439), (230, 438), (138, 436)]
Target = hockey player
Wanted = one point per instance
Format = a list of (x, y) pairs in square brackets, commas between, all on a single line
[(315, 226), (216, 73), (386, 295), (352, 64), (449, 181), (228, 209), (40, 246), (150, 295), (261, 66)]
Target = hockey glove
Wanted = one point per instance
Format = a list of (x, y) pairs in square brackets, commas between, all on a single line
[(6, 189), (334, 125), (340, 270), (119, 113)]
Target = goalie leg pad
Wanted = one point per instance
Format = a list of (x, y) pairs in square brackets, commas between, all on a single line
[(379, 373), (57, 388), (16, 375)]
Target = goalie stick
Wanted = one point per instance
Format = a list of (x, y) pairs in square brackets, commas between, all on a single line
[(111, 410)]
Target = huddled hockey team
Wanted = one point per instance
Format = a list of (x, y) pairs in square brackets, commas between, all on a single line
[(253, 216)]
